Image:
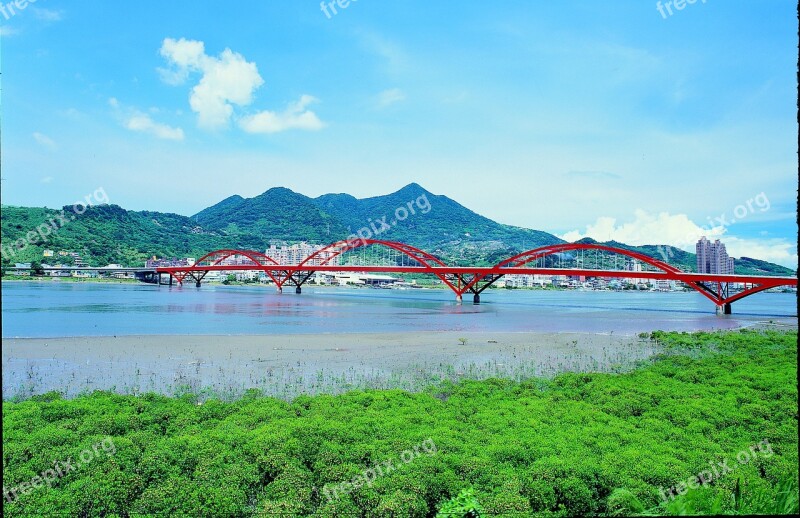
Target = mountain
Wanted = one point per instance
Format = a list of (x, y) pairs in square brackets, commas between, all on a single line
[(432, 222), (110, 234), (278, 213), (220, 208)]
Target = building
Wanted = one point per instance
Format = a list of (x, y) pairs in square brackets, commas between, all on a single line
[(296, 253), (168, 263), (77, 261), (713, 257), (634, 265), (364, 279)]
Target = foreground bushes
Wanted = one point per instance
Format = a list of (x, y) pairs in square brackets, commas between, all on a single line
[(579, 444)]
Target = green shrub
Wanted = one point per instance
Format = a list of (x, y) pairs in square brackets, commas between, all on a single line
[(463, 505), (581, 444)]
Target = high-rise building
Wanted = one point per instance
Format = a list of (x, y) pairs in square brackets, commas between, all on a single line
[(713, 257)]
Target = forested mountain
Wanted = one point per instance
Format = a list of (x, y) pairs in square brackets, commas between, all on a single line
[(110, 234)]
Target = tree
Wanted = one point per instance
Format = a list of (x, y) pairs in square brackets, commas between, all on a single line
[(36, 268)]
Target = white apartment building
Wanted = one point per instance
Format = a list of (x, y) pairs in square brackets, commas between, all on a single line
[(713, 257)]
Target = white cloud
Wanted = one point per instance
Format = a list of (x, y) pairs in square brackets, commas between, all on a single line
[(647, 229), (46, 180), (296, 116), (226, 80), (185, 55), (6, 31), (681, 232), (44, 140), (48, 15), (135, 120), (143, 123), (774, 250), (389, 97)]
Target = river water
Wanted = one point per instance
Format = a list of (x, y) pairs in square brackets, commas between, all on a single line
[(67, 309)]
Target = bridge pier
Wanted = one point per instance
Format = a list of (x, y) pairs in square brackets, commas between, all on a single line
[(724, 309), (280, 289), (476, 299), (197, 284), (459, 299), (298, 290)]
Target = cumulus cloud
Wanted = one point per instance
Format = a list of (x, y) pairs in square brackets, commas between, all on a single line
[(647, 229), (225, 81), (681, 232), (184, 55), (296, 116)]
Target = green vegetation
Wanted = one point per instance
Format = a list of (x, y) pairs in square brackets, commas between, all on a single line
[(107, 234), (578, 444), (465, 504), (276, 214)]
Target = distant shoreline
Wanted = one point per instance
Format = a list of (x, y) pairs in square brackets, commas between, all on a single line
[(23, 279)]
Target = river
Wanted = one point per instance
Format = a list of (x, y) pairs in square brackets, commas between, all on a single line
[(70, 309)]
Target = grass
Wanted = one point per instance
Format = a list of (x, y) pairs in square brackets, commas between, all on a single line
[(579, 443)]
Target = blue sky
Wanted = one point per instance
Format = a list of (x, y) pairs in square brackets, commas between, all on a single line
[(595, 118)]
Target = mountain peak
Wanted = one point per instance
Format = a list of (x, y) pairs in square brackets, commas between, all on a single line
[(413, 187), (276, 190)]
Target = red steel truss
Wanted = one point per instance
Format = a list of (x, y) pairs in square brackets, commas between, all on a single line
[(472, 279)]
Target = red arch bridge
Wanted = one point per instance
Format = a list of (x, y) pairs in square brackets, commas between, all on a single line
[(375, 256)]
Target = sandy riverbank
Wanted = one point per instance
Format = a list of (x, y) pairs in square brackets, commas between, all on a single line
[(287, 365)]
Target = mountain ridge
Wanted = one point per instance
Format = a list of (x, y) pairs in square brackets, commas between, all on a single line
[(436, 223)]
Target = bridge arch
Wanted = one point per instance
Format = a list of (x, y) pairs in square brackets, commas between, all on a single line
[(526, 257), (719, 295), (476, 279), (217, 256), (427, 260)]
